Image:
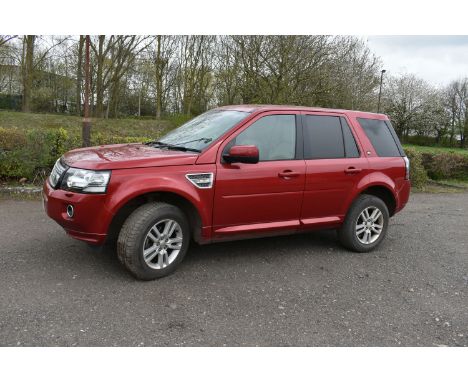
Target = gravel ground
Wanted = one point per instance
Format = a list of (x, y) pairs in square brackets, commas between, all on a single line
[(302, 290)]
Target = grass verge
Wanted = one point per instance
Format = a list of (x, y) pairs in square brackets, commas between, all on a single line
[(436, 150)]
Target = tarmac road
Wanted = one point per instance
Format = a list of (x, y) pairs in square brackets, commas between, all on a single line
[(302, 290)]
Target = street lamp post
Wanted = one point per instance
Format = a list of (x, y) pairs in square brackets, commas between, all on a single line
[(380, 90)]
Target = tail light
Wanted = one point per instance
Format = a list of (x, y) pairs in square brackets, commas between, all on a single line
[(407, 167)]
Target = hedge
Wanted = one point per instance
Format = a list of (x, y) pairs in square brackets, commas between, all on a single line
[(446, 165), (418, 173), (31, 154)]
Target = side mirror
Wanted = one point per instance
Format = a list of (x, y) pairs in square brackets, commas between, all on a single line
[(242, 154)]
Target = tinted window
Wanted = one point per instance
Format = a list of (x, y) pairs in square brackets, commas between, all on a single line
[(395, 137), (322, 137), (351, 149), (274, 135), (380, 136)]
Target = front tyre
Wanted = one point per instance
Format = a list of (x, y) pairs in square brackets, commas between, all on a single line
[(365, 225), (153, 240)]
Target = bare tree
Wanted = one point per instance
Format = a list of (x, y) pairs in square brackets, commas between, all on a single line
[(404, 102), (5, 38), (114, 56), (457, 101), (79, 74)]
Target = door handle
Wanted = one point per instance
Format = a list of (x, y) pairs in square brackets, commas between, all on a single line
[(286, 174), (352, 170)]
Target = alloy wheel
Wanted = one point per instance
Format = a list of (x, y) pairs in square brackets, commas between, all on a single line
[(369, 225), (162, 244)]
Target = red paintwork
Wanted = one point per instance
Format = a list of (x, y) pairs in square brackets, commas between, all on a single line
[(246, 199), (131, 155), (245, 151)]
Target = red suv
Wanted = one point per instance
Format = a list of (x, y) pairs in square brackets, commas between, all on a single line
[(233, 172)]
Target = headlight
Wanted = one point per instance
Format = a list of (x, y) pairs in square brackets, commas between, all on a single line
[(57, 172), (76, 179)]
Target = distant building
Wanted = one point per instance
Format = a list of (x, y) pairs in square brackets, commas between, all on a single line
[(51, 92)]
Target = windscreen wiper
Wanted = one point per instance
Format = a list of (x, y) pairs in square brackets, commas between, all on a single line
[(205, 140), (172, 147)]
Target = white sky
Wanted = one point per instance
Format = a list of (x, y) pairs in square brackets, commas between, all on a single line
[(437, 59)]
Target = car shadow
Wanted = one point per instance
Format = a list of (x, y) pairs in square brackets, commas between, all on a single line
[(317, 241), (269, 249)]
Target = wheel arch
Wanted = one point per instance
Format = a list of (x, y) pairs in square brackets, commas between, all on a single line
[(124, 210), (383, 192)]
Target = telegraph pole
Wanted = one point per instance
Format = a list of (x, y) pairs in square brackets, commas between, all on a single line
[(86, 132)]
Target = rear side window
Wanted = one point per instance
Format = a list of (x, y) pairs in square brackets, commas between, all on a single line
[(323, 137), (380, 136)]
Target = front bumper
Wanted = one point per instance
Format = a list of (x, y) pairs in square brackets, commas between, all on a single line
[(90, 220)]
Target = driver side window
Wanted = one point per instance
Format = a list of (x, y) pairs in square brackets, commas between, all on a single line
[(274, 135)]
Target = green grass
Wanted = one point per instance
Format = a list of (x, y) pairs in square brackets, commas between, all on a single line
[(437, 150), (126, 127), (456, 183)]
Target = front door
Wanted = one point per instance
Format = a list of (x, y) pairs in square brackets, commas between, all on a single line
[(265, 196)]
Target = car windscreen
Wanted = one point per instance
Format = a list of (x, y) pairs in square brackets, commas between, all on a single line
[(199, 132)]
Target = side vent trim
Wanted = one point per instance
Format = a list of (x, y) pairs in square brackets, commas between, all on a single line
[(201, 179)]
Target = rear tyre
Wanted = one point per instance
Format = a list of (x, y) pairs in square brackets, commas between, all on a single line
[(153, 240), (365, 225)]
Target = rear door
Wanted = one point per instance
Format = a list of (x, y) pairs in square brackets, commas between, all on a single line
[(267, 195), (334, 167)]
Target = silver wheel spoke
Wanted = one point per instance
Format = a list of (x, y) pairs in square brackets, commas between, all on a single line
[(366, 213), (152, 237), (175, 243), (366, 237), (169, 227), (154, 232), (360, 230), (378, 214), (172, 229), (150, 253), (162, 259)]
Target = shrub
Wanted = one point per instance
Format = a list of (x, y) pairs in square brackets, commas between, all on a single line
[(446, 165), (13, 165), (32, 152), (100, 139), (12, 144), (11, 139), (418, 174), (46, 145)]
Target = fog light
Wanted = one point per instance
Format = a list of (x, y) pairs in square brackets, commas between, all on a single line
[(70, 211)]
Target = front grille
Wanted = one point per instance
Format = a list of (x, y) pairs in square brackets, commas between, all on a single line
[(57, 172)]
